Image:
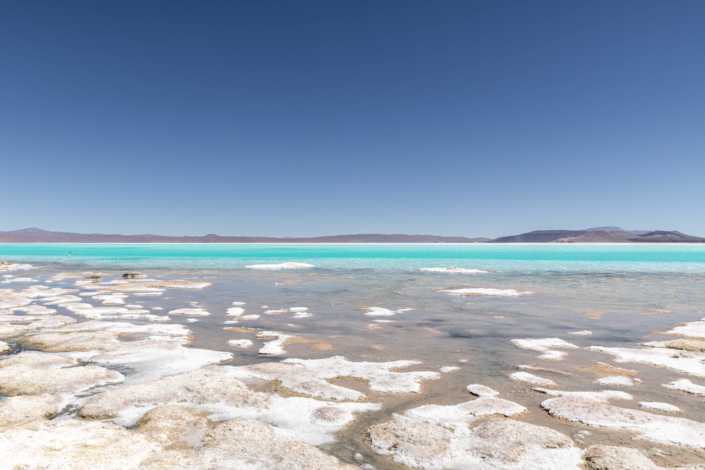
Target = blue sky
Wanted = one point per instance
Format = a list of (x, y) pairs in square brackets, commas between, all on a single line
[(475, 118)]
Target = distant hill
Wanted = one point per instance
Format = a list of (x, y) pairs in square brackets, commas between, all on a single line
[(36, 235), (599, 236), (616, 229)]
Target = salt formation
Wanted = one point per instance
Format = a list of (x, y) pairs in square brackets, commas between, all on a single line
[(4, 348), (497, 443), (619, 381), (15, 411), (592, 409), (481, 390), (308, 377), (383, 312), (453, 269), (580, 333), (273, 348), (685, 385), (190, 312), (624, 458), (531, 379), (6, 266), (485, 291), (235, 311), (546, 346), (240, 343), (34, 373), (681, 361), (286, 265), (665, 407)]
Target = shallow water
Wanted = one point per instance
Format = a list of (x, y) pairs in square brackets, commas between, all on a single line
[(622, 294)]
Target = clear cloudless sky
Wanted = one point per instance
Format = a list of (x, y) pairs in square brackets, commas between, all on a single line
[(304, 118)]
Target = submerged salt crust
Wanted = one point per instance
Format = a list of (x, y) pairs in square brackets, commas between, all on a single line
[(531, 379), (485, 291), (545, 345), (309, 377)]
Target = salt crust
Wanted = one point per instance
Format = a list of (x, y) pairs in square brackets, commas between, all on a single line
[(235, 311), (485, 291), (275, 312), (276, 347), (658, 406), (18, 279), (481, 390), (191, 320), (190, 312), (4, 348), (497, 443), (694, 329), (249, 317), (682, 361), (61, 299), (34, 310), (594, 411), (685, 385), (286, 265), (580, 333), (237, 304), (619, 381), (453, 269), (624, 458), (8, 330), (298, 309), (6, 267), (35, 373), (309, 377), (446, 369), (546, 346), (240, 343), (531, 379), (382, 312), (15, 411), (302, 315)]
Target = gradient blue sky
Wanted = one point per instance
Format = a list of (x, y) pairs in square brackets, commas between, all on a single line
[(475, 118)]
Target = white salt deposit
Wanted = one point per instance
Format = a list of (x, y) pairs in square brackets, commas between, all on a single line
[(240, 343), (383, 312), (34, 310), (249, 317), (481, 390), (619, 381), (298, 309), (685, 385), (665, 407), (273, 348), (6, 266), (453, 269), (580, 333), (309, 377), (485, 291), (302, 315), (694, 329), (235, 311), (275, 312), (531, 379), (4, 348), (546, 346), (190, 312), (191, 320), (691, 363), (18, 279), (446, 369), (287, 265), (237, 304)]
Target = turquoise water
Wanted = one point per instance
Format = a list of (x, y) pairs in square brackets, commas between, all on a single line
[(567, 258)]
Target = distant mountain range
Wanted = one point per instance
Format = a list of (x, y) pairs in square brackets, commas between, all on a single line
[(590, 235)]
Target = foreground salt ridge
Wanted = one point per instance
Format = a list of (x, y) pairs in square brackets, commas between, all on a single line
[(382, 312), (593, 410), (439, 437)]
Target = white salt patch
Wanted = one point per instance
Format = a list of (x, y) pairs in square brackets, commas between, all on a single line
[(650, 427), (665, 407), (685, 385), (302, 315), (287, 265), (34, 310), (486, 291), (531, 379), (460, 415), (18, 279), (249, 317), (689, 362), (240, 343), (275, 312), (298, 309), (383, 312), (384, 321), (235, 311), (602, 395), (238, 303), (694, 329), (310, 376), (581, 333), (447, 369), (191, 312), (231, 322), (8, 267), (191, 320), (265, 306), (273, 348), (481, 390), (620, 381), (545, 345), (157, 308), (453, 269), (111, 299)]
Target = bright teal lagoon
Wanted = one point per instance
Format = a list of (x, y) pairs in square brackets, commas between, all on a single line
[(581, 258)]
